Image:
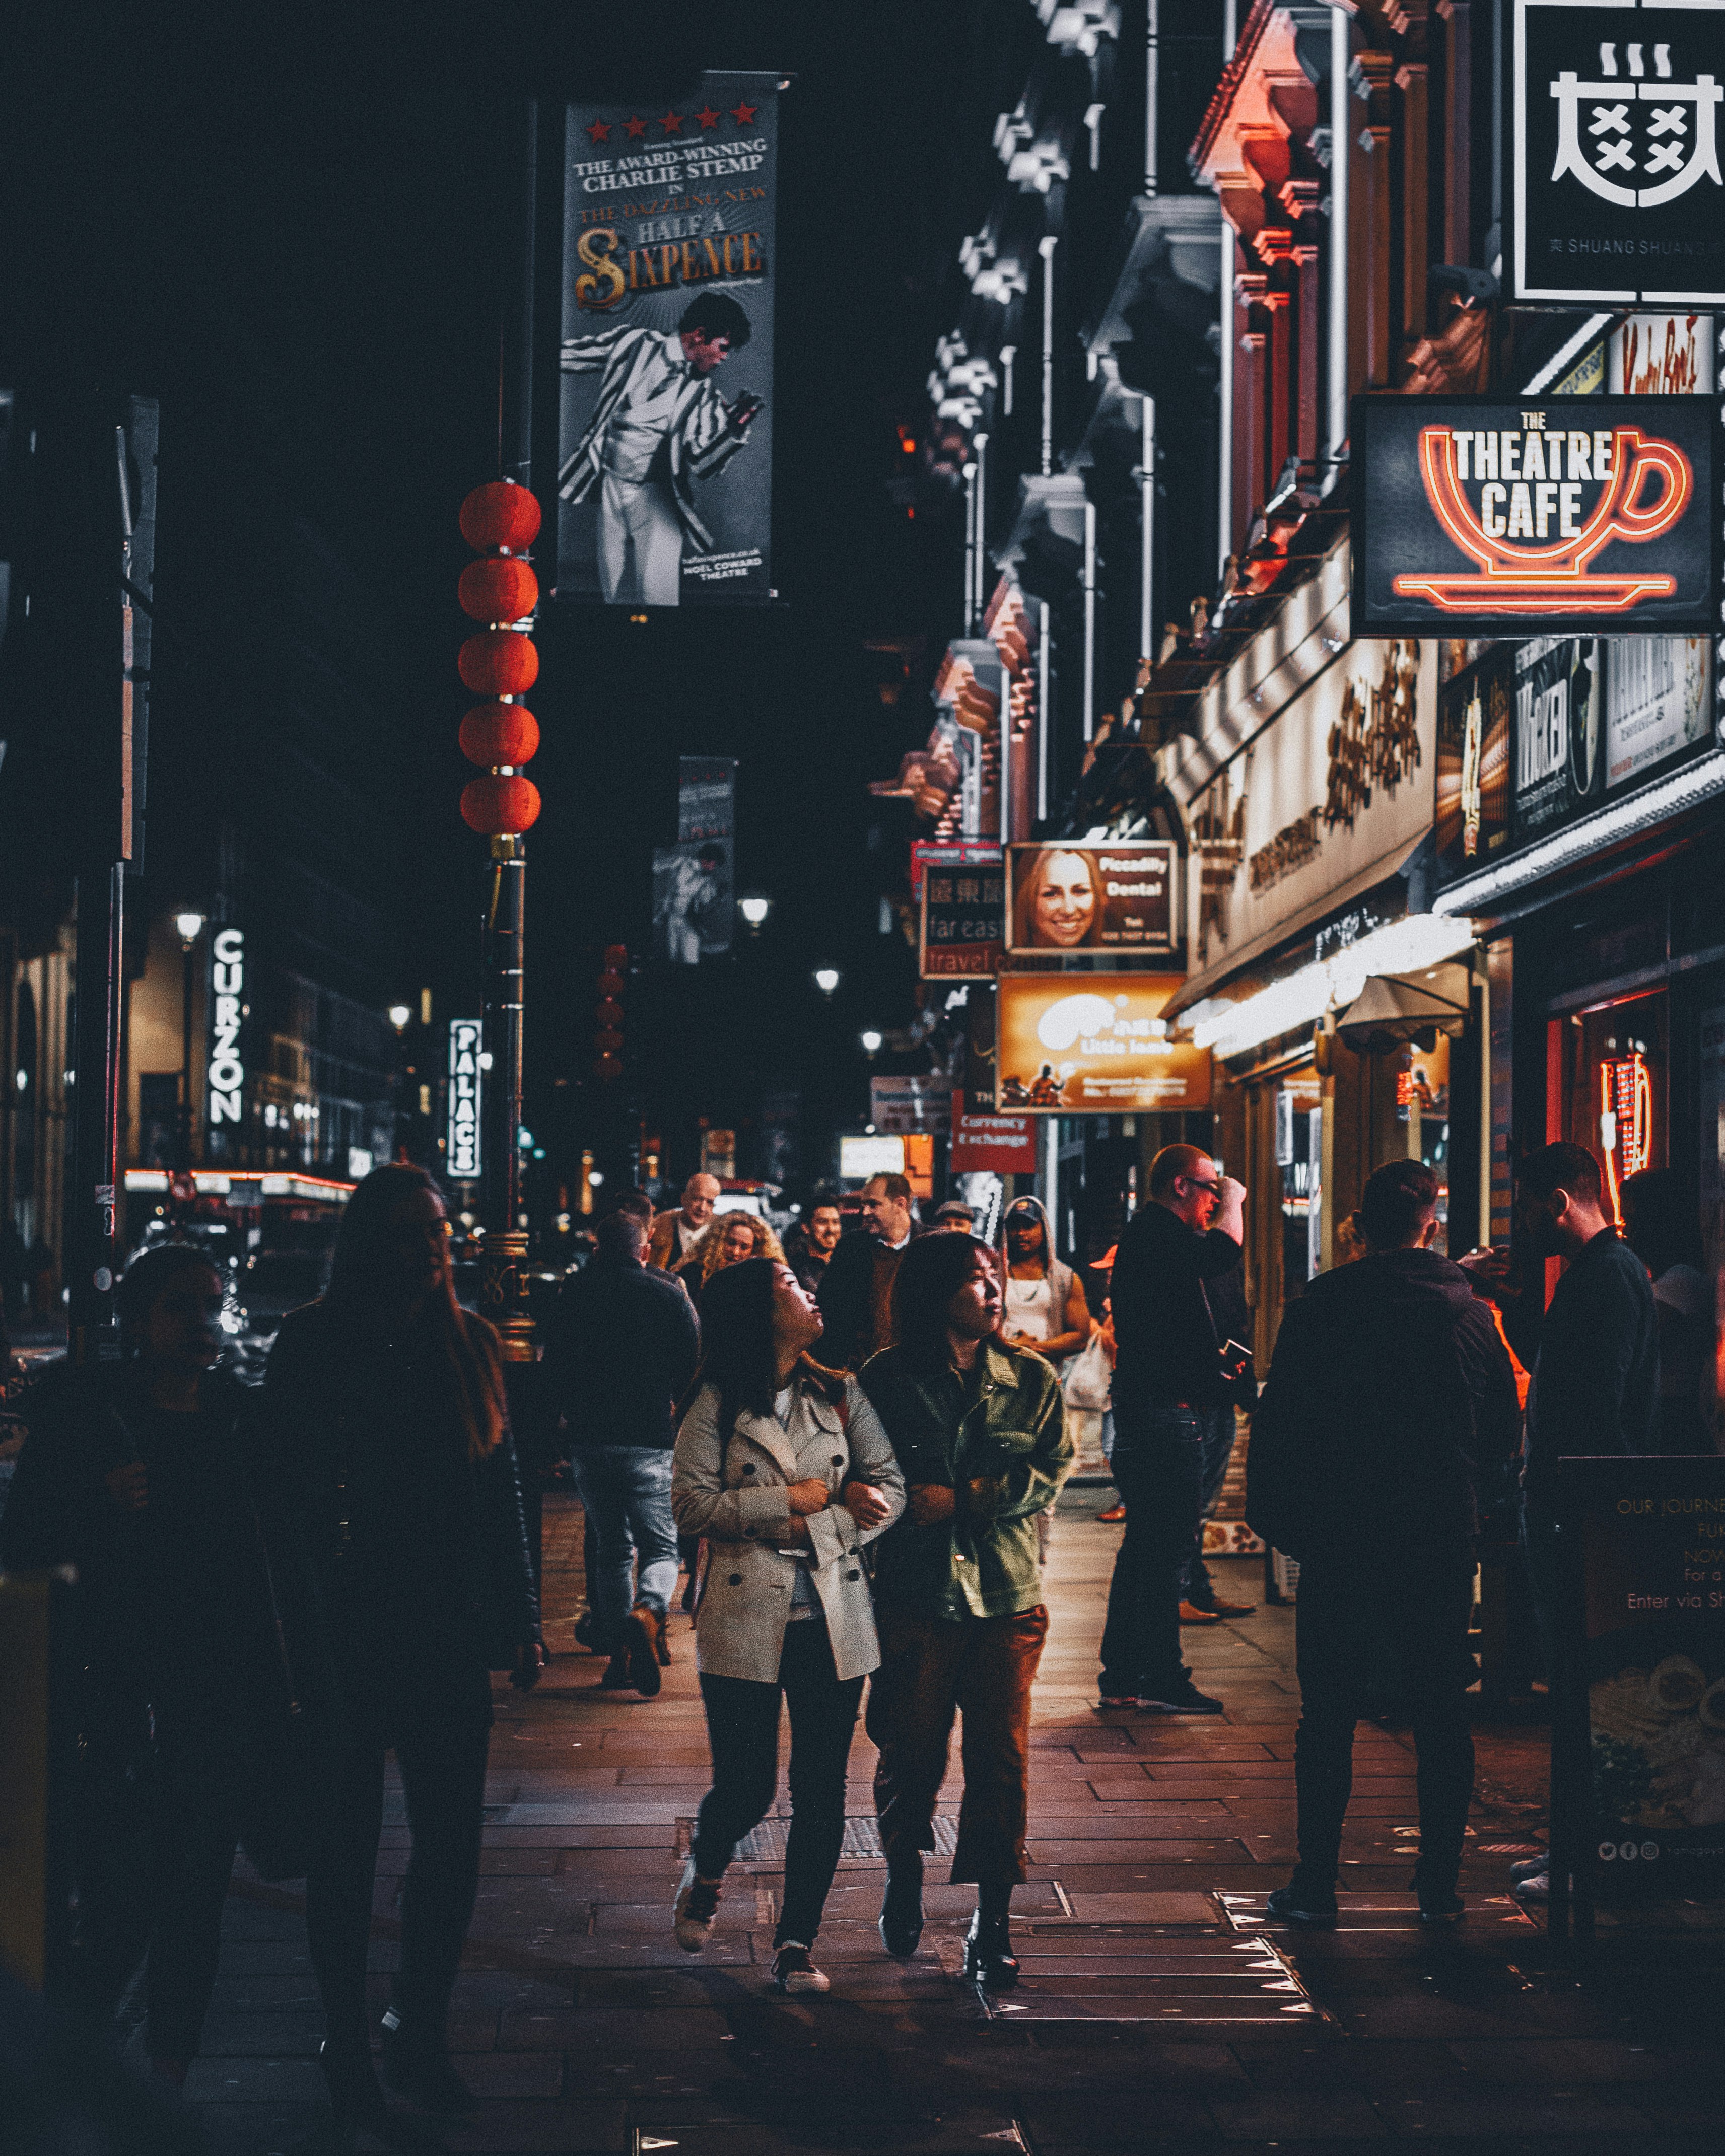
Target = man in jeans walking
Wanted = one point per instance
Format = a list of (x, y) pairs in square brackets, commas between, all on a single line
[(621, 1353), (1169, 1377)]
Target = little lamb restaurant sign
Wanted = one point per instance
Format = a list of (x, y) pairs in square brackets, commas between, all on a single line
[(1613, 151)]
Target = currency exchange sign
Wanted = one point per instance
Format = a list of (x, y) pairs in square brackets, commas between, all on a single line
[(664, 423), (1613, 121)]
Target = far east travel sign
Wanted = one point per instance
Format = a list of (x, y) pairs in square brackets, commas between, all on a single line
[(1613, 115), (1565, 515)]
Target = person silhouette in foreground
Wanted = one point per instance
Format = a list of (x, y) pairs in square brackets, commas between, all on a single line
[(1390, 1399)]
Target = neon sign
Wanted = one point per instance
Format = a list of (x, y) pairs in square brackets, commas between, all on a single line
[(463, 1158), (1587, 516), (1626, 1121), (1526, 502), (227, 1071)]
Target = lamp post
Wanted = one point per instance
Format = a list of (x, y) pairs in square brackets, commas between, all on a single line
[(190, 927), (754, 911), (870, 1043), (826, 979)]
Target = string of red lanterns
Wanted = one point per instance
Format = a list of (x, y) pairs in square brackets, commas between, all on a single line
[(500, 521)]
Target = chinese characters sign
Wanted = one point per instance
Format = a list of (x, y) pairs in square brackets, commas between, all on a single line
[(964, 910), (1617, 192), (665, 460), (1577, 514)]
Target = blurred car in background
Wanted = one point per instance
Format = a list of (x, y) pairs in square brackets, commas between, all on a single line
[(266, 1287)]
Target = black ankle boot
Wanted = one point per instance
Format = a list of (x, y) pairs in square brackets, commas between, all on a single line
[(901, 1910), (419, 2068), (988, 1958), (355, 2097)]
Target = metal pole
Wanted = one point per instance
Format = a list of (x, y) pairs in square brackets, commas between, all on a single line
[(185, 1055), (506, 1244), (1151, 56), (982, 526), (969, 548), (1147, 500), (1089, 620), (1005, 761), (1224, 295), (1340, 93), (1046, 247), (1043, 714), (1051, 1175)]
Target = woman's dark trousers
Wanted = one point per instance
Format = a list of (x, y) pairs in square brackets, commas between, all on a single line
[(440, 1744), (742, 1730)]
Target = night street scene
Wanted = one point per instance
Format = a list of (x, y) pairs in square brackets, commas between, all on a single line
[(860, 920)]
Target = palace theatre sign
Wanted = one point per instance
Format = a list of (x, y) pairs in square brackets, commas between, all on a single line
[(1612, 152), (1574, 515)]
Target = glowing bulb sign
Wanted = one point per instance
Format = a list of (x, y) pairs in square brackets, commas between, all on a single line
[(1625, 1121), (227, 1070), (463, 1154)]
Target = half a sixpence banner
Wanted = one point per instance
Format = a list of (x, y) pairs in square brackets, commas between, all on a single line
[(1613, 127), (1582, 516), (665, 456)]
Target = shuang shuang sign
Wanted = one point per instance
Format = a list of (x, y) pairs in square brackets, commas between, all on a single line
[(1570, 515), (1612, 152)]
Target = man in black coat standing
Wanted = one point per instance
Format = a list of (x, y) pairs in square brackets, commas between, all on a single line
[(1390, 1399), (621, 1353), (1169, 1382)]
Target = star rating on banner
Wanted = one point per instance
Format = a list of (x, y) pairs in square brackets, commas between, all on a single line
[(671, 123)]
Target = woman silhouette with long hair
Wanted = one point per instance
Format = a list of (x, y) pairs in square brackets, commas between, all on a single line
[(389, 1451)]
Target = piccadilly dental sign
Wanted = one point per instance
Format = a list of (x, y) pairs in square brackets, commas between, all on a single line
[(1582, 515), (1616, 192)]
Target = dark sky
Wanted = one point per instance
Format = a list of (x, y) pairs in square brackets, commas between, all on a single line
[(321, 203)]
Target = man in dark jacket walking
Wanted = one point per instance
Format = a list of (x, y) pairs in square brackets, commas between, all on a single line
[(1391, 1397), (621, 1353), (856, 1291), (1169, 1379)]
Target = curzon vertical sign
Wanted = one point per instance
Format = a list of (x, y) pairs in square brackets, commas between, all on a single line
[(463, 1148), (1613, 124), (1572, 516), (227, 1067)]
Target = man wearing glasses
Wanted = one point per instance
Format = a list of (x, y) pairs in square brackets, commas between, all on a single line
[(1169, 1376)]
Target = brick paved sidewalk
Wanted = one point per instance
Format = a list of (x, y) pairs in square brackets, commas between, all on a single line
[(1158, 2008)]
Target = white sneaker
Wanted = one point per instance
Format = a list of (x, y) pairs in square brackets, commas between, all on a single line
[(695, 1908), (793, 1969)]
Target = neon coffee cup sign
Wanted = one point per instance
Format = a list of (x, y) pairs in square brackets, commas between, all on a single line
[(1580, 514)]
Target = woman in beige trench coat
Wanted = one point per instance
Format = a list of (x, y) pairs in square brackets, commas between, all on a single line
[(784, 1470)]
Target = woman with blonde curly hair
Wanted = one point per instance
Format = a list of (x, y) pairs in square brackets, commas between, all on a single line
[(728, 1238)]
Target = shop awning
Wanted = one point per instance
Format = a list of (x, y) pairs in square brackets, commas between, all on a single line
[(1393, 1009), (1236, 961)]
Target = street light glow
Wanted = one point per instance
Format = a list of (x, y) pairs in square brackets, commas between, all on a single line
[(826, 978), (399, 1014), (871, 1042), (190, 926), (755, 910)]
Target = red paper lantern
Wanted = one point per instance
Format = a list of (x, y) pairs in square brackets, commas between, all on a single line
[(499, 733), (494, 805), (498, 589), (500, 514), (607, 1065), (498, 662)]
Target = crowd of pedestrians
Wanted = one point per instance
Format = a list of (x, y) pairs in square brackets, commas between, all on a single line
[(853, 1446)]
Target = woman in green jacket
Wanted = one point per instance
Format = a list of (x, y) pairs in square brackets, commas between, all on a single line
[(979, 1430)]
